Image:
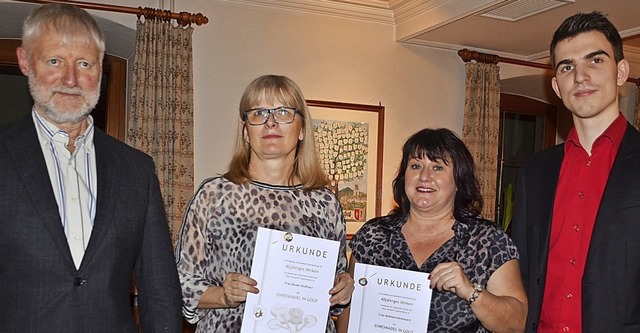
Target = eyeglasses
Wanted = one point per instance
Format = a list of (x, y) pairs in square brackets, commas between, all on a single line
[(281, 115)]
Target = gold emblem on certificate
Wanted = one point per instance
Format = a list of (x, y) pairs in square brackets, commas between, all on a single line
[(363, 281), (288, 237)]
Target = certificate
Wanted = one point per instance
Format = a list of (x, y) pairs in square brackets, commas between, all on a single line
[(294, 274), (389, 300)]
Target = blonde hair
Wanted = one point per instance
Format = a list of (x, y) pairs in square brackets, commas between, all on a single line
[(282, 89), (70, 21)]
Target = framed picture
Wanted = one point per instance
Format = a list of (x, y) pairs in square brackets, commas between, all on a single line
[(349, 139)]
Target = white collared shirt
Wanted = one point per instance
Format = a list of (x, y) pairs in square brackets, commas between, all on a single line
[(73, 179)]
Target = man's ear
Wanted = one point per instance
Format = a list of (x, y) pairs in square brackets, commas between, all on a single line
[(623, 72), (554, 85), (23, 61)]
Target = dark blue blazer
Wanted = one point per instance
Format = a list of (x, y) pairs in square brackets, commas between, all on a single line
[(40, 288), (611, 281)]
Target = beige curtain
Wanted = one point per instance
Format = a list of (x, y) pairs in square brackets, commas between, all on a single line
[(160, 119), (636, 123), (480, 129)]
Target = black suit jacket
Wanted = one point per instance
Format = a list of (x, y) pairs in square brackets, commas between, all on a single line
[(40, 288), (611, 281)]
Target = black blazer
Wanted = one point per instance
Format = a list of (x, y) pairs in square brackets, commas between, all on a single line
[(611, 281), (40, 288)]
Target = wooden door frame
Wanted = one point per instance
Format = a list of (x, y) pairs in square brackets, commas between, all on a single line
[(529, 106)]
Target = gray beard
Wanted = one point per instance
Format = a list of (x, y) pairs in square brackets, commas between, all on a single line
[(61, 118), (50, 110)]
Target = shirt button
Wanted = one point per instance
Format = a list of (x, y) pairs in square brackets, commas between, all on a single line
[(581, 194), (588, 163), (77, 238), (74, 199), (576, 228), (569, 295), (78, 282), (565, 329), (572, 261)]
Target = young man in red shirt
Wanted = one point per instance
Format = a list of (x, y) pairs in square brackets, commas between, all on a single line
[(577, 222)]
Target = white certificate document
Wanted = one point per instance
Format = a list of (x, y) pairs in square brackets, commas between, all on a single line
[(294, 274), (389, 300)]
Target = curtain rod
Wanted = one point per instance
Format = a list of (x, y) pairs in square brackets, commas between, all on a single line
[(182, 18), (468, 55)]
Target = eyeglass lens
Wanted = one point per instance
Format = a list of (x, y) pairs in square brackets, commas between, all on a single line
[(281, 115)]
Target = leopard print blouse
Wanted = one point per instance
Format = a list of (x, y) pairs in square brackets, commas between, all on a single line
[(219, 231), (480, 248)]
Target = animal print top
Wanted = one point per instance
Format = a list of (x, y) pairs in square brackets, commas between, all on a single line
[(479, 247), (219, 231)]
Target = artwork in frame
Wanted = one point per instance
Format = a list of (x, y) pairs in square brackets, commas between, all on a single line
[(349, 140)]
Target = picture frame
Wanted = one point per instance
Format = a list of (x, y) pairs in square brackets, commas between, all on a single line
[(349, 138)]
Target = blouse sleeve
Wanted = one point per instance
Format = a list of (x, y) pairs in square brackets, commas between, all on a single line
[(492, 249), (191, 255), (504, 250)]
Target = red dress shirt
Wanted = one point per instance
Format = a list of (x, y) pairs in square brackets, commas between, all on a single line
[(580, 187)]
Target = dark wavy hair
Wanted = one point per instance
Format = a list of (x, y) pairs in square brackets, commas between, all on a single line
[(585, 22), (443, 145)]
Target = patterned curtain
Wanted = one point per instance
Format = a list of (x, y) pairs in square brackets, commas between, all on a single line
[(160, 119), (480, 129), (636, 123)]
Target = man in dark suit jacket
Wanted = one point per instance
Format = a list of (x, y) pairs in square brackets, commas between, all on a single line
[(80, 212), (577, 222)]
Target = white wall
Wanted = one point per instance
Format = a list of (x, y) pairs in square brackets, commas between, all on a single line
[(331, 59), (334, 59)]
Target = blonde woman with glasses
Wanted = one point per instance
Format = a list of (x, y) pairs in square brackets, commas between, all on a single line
[(274, 180)]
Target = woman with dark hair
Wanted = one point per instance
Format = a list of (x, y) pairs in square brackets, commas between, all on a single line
[(437, 228), (275, 181)]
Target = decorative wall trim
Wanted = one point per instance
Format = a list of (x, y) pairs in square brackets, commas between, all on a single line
[(369, 10)]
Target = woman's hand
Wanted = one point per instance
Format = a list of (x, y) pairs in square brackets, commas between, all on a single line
[(449, 276), (342, 289), (235, 288), (501, 307)]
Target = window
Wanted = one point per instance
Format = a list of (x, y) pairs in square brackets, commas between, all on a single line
[(526, 126)]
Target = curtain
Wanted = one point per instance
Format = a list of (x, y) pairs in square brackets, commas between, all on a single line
[(480, 129), (160, 119)]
